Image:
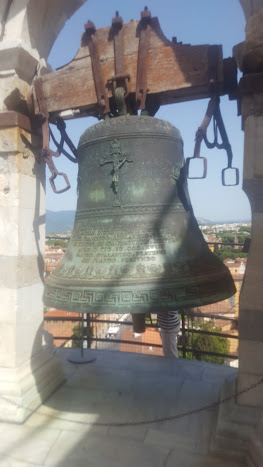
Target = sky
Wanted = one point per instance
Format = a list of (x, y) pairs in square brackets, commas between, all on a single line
[(192, 22)]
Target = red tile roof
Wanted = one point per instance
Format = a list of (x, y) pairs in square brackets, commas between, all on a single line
[(150, 336)]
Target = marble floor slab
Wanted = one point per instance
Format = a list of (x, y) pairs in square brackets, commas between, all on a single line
[(113, 412)]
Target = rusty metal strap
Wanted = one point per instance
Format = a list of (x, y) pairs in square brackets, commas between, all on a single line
[(11, 118), (40, 98), (42, 111), (141, 84), (199, 136), (117, 23), (120, 79), (201, 131), (46, 153), (102, 97)]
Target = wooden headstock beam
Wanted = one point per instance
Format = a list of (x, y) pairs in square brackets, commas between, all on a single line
[(174, 72)]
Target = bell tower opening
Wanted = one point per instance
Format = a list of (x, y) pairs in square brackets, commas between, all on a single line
[(211, 201)]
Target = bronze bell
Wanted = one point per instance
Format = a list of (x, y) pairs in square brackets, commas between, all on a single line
[(136, 246)]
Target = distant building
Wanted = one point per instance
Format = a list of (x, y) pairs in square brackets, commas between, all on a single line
[(211, 239), (148, 338), (52, 258), (236, 266)]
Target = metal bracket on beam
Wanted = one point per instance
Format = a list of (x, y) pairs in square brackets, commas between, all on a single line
[(116, 27), (102, 97), (120, 79), (141, 85), (42, 111)]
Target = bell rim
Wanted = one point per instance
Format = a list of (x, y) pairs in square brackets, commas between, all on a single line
[(117, 300)]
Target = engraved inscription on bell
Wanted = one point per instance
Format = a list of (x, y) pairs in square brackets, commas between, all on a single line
[(119, 250)]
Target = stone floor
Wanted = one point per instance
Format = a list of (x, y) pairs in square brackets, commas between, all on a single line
[(78, 424)]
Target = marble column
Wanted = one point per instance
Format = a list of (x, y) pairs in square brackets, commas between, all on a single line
[(29, 372), (251, 297)]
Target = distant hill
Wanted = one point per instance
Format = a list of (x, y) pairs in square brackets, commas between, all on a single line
[(202, 221), (59, 221), (63, 221), (220, 221)]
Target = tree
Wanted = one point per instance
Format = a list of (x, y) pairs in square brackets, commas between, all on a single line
[(227, 237), (208, 343), (227, 252), (245, 229), (77, 336), (241, 238), (57, 243)]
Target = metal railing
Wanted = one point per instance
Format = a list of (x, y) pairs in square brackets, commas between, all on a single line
[(95, 329), (85, 327)]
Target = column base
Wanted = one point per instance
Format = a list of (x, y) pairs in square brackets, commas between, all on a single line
[(236, 426), (254, 397), (255, 452), (24, 389)]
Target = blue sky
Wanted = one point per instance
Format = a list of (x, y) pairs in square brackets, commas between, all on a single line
[(194, 22)]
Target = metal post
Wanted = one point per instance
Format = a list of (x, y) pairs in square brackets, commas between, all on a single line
[(88, 329), (81, 357), (183, 333)]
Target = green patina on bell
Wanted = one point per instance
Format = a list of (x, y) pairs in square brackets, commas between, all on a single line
[(136, 246)]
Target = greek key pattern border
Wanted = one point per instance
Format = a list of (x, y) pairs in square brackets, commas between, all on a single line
[(154, 296)]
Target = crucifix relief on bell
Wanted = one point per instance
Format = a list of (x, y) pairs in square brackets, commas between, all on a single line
[(117, 159)]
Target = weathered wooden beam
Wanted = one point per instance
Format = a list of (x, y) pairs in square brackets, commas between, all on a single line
[(175, 72)]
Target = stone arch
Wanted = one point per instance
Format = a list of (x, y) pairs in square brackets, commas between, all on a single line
[(35, 25), (250, 6), (44, 20)]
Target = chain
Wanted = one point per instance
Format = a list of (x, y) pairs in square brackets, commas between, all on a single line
[(61, 126), (144, 422)]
